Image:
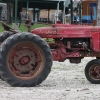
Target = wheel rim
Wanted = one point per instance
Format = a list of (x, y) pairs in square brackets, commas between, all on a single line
[(94, 71), (25, 60)]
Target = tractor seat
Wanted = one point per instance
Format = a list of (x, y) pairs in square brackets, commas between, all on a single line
[(5, 26)]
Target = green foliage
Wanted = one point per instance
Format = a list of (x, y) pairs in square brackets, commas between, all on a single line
[(1, 28)]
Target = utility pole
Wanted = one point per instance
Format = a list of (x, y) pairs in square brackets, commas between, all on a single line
[(71, 7), (80, 12), (8, 11), (98, 12), (0, 11)]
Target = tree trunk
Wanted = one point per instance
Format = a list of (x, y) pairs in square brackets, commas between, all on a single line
[(8, 12)]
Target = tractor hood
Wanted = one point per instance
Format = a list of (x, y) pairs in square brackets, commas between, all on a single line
[(45, 32), (69, 31)]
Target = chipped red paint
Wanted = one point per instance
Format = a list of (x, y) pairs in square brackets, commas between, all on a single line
[(67, 31), (61, 31)]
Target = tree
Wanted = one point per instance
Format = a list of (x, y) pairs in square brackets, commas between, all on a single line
[(0, 11), (8, 12)]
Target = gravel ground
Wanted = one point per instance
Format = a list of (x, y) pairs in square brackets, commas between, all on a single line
[(65, 82)]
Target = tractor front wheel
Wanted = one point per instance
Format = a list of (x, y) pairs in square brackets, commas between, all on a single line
[(25, 60), (92, 71)]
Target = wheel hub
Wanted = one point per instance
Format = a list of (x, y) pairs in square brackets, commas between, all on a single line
[(24, 60), (95, 72)]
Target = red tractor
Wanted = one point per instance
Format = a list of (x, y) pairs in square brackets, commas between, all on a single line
[(26, 58)]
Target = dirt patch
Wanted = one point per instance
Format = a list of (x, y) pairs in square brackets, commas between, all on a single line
[(65, 82)]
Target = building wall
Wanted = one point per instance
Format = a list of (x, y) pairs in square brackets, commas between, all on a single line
[(4, 11), (86, 11), (30, 14), (44, 14)]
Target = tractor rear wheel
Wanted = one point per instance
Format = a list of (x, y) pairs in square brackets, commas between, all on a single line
[(25, 60), (5, 35), (92, 71)]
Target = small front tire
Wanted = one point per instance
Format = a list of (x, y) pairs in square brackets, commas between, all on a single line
[(92, 71)]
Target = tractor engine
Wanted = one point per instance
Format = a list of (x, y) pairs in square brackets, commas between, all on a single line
[(69, 48), (76, 43)]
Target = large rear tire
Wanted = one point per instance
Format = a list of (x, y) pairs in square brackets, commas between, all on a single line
[(5, 35), (25, 60)]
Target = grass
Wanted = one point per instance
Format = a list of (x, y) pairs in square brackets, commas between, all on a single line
[(23, 27), (1, 28)]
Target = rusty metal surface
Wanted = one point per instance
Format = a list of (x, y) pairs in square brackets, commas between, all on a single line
[(60, 53), (89, 54), (25, 60), (94, 71), (62, 31), (8, 28), (66, 31), (28, 25), (75, 55), (75, 60)]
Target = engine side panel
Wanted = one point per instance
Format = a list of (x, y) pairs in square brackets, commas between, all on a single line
[(96, 41), (72, 31)]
